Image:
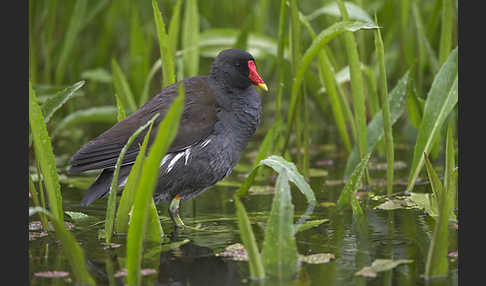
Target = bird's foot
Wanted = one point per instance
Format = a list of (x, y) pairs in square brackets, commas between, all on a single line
[(174, 212)]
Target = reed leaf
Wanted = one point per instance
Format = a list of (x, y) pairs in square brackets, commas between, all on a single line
[(324, 37), (52, 104), (100, 114), (446, 31), (139, 55), (280, 58), (138, 223), (111, 204), (128, 194), (44, 155), (36, 203), (375, 130), (120, 108), (72, 250), (449, 173), (357, 86), (71, 35), (437, 264), (441, 99), (385, 107), (166, 57), (348, 195), (279, 252), (122, 88), (354, 12), (257, 270), (174, 27), (190, 38)]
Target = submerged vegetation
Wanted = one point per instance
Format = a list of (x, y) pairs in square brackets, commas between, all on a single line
[(365, 76)]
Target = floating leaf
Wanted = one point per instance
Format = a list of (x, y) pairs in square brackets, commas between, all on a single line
[(318, 258), (77, 216), (52, 274), (311, 224), (235, 251), (394, 205), (380, 265)]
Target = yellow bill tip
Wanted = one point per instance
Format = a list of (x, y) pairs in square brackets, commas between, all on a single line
[(263, 86)]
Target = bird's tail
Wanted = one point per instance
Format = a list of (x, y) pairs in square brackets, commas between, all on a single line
[(102, 184)]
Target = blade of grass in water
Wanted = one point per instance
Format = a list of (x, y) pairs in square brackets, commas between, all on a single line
[(128, 194), (348, 195), (437, 264), (190, 38), (257, 271), (449, 182), (111, 204), (166, 57), (44, 155), (35, 201), (441, 99), (72, 250), (279, 251), (375, 129), (385, 108), (324, 37), (326, 75), (122, 88), (356, 84), (71, 35), (138, 223)]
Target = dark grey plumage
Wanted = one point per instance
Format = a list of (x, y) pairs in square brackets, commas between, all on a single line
[(221, 113)]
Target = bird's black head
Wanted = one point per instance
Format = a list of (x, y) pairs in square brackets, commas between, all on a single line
[(237, 68)]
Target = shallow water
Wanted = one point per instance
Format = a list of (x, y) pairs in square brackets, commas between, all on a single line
[(397, 234)]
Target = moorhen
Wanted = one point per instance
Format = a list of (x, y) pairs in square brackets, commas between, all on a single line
[(221, 113)]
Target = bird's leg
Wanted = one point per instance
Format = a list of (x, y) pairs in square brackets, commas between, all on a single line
[(174, 212)]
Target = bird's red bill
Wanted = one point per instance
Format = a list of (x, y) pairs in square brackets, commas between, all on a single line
[(254, 77)]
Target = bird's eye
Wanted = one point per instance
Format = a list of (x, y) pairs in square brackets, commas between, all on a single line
[(237, 64)]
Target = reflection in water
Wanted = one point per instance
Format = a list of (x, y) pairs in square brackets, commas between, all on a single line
[(196, 265)]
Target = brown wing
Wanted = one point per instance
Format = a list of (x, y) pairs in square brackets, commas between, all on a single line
[(197, 122)]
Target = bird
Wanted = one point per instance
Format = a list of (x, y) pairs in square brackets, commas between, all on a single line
[(221, 113)]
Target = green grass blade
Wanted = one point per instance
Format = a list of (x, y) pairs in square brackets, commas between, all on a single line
[(375, 130), (357, 86), (35, 201), (324, 37), (354, 12), (139, 55), (111, 204), (72, 250), (441, 99), (385, 107), (280, 58), (52, 104), (190, 38), (166, 57), (154, 228), (449, 172), (327, 77), (128, 194), (153, 70), (122, 88), (71, 35), (44, 155), (446, 31), (101, 114), (437, 264), (138, 223), (348, 195), (120, 108), (279, 251), (174, 27), (257, 270)]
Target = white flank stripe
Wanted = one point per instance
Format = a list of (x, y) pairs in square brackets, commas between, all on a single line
[(174, 160), (186, 154), (166, 157), (206, 142)]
